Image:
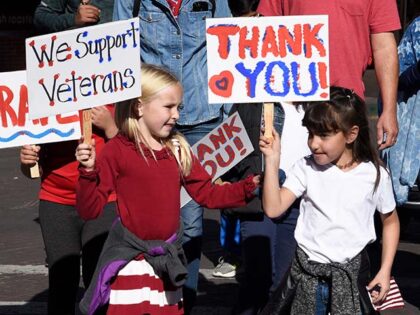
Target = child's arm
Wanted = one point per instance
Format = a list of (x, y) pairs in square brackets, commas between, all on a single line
[(96, 179), (390, 238), (276, 200), (29, 155), (218, 195)]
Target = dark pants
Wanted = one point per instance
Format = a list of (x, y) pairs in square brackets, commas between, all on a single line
[(268, 247), (67, 238)]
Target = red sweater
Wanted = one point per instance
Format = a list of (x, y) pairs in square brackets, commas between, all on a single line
[(149, 190)]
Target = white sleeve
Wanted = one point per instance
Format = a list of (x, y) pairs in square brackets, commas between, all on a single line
[(296, 178), (386, 200)]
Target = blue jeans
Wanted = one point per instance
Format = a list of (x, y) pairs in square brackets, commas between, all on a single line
[(230, 233), (192, 218), (323, 299)]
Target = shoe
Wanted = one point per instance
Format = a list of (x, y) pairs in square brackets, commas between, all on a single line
[(224, 269)]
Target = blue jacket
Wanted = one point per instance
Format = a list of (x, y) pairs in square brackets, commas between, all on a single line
[(179, 45), (403, 159)]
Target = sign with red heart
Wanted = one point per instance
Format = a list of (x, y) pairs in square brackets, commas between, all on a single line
[(267, 59), (221, 84)]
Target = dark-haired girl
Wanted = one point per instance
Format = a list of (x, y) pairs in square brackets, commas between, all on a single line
[(341, 183)]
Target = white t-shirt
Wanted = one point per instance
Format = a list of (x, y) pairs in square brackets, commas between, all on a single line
[(337, 208)]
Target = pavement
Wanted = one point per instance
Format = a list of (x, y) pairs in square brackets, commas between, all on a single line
[(23, 275)]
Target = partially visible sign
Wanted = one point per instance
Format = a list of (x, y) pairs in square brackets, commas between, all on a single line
[(221, 149), (15, 127)]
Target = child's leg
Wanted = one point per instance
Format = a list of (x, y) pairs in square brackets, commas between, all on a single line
[(258, 238), (61, 226), (94, 234)]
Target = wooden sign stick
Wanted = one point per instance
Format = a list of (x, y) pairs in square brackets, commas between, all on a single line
[(87, 126), (34, 170), (268, 112)]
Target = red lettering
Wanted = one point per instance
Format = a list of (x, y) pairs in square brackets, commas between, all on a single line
[(67, 120), (213, 167), (42, 121), (310, 39), (251, 43), (6, 97), (269, 44), (223, 32), (202, 150), (238, 143), (322, 68), (23, 105), (294, 43), (218, 139), (231, 156), (230, 127)]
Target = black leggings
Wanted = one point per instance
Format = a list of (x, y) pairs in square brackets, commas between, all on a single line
[(67, 238)]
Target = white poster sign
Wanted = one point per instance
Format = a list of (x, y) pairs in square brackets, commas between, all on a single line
[(268, 59), (83, 68)]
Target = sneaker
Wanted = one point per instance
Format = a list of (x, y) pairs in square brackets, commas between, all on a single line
[(224, 269)]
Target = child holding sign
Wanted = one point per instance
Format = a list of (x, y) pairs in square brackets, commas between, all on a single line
[(146, 158), (67, 238), (342, 183)]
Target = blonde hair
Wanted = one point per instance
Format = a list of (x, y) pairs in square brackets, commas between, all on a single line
[(153, 80)]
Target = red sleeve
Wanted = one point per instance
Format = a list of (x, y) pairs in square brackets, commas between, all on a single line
[(93, 188), (213, 196), (270, 8), (384, 16)]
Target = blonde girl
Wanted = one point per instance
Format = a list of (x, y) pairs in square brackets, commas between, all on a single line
[(142, 266)]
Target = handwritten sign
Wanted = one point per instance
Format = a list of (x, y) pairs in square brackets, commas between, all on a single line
[(83, 68), (268, 59), (221, 149), (15, 127)]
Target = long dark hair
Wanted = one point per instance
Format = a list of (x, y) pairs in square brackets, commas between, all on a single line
[(344, 110)]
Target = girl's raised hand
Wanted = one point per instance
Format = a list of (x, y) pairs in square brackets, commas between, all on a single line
[(29, 154), (86, 155), (270, 147)]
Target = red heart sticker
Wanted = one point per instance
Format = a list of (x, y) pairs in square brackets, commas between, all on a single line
[(221, 84)]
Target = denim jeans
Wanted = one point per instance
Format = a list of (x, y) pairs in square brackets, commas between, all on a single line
[(192, 217), (323, 299), (230, 233)]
